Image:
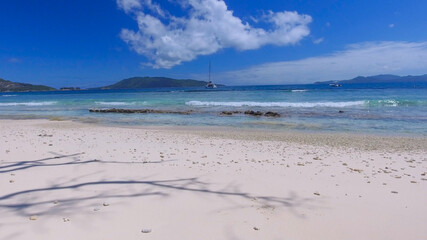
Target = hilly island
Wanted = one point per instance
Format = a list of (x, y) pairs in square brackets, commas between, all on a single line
[(155, 82), (8, 86), (164, 82), (383, 78)]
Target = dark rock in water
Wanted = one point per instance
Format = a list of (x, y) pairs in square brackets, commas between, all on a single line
[(118, 110), (226, 113), (229, 113), (340, 111), (253, 113), (272, 114)]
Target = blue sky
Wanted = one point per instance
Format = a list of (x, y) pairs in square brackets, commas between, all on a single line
[(99, 42)]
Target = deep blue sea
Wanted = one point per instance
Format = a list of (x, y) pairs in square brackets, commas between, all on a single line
[(375, 108)]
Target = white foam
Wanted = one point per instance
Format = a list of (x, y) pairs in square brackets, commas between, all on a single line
[(278, 104), (31, 104), (391, 102), (8, 95), (299, 90), (115, 103)]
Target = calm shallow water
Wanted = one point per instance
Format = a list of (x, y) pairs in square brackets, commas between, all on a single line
[(380, 108)]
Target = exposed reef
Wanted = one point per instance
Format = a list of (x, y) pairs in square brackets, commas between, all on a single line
[(223, 113)]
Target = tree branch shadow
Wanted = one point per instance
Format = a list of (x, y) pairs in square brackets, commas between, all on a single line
[(34, 201), (48, 162), (152, 188)]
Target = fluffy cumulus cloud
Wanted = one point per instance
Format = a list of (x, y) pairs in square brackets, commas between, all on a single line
[(370, 58), (207, 27)]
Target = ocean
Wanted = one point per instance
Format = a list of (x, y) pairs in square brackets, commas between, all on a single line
[(397, 109)]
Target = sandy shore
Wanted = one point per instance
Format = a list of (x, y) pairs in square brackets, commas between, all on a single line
[(66, 180)]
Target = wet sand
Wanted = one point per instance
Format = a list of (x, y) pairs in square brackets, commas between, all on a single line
[(67, 180)]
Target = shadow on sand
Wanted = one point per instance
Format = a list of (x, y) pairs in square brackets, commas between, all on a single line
[(27, 202)]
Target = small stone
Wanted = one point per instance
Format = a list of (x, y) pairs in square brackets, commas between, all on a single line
[(55, 202), (65, 219), (146, 230), (395, 192), (105, 204), (96, 209), (256, 229), (11, 181), (316, 193), (34, 217)]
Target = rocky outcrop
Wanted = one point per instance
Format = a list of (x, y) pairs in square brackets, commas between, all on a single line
[(223, 113), (253, 113), (119, 110), (272, 114), (229, 113)]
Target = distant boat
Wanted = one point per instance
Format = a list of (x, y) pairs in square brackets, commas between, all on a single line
[(335, 85), (210, 84)]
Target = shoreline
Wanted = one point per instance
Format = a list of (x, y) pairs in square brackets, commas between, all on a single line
[(339, 139), (91, 181), (223, 129)]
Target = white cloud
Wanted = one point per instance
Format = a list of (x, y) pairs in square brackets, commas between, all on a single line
[(317, 41), (208, 27), (391, 25), (128, 5), (371, 58)]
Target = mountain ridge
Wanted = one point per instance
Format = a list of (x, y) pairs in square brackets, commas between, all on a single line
[(382, 78), (154, 82), (9, 86)]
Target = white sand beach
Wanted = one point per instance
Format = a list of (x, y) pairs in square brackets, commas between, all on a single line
[(68, 180)]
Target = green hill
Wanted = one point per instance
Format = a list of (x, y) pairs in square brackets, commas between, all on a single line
[(384, 78), (8, 86), (154, 82)]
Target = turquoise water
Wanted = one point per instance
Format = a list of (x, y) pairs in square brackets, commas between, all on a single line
[(380, 108)]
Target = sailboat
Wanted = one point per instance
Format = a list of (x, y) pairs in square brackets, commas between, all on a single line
[(210, 84)]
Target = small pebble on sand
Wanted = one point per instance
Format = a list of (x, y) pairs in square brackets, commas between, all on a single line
[(146, 230), (34, 217)]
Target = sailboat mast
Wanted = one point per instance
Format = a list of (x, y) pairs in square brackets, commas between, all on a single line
[(209, 71)]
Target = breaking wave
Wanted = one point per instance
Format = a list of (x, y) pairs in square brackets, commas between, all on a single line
[(115, 103), (395, 103), (278, 104), (31, 104), (299, 90)]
